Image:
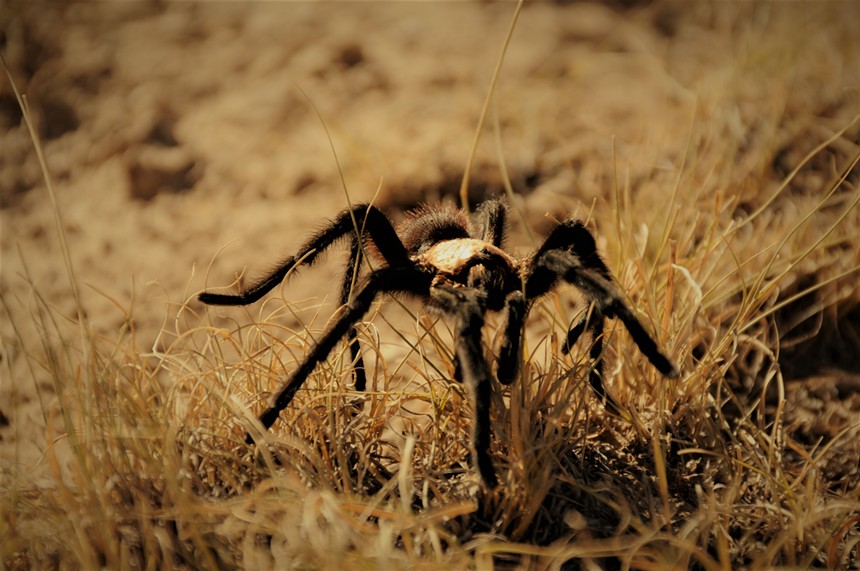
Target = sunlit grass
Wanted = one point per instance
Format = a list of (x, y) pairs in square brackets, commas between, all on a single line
[(145, 465), (146, 461)]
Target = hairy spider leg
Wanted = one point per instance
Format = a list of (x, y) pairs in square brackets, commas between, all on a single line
[(349, 278), (468, 306), (608, 301), (508, 364), (643, 339), (493, 218), (385, 280), (572, 236), (382, 234), (570, 253), (368, 218), (593, 322), (574, 239)]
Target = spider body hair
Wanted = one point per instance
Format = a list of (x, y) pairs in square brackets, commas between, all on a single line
[(459, 267)]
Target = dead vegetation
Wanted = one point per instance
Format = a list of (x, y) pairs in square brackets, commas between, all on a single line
[(737, 242)]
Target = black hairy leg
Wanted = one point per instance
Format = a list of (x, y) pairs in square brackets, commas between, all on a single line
[(386, 280), (468, 307), (350, 278), (593, 323), (362, 218), (508, 364), (608, 301), (492, 227), (570, 254)]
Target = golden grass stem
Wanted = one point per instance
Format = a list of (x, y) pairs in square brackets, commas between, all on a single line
[(464, 185)]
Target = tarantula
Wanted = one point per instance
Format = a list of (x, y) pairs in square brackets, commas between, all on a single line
[(461, 270)]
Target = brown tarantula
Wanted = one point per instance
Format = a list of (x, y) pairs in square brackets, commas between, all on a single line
[(438, 256)]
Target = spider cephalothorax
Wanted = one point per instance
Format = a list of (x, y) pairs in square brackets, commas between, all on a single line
[(459, 268)]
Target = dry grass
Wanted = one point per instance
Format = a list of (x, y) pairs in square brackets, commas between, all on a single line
[(733, 465)]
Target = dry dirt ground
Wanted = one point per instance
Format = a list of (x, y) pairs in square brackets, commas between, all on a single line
[(189, 142)]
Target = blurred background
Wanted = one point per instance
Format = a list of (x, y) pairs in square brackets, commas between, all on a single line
[(181, 133)]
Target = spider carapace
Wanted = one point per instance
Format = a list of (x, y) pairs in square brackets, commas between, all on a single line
[(457, 266)]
